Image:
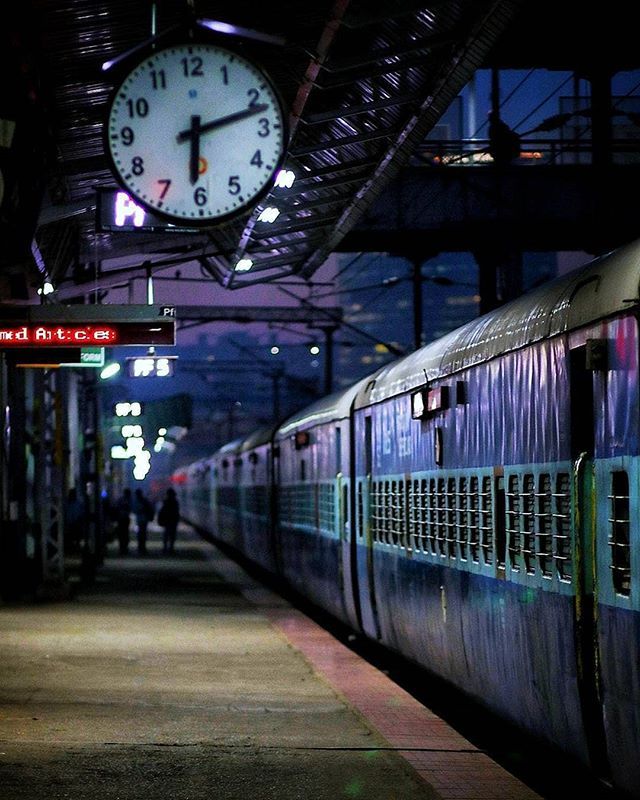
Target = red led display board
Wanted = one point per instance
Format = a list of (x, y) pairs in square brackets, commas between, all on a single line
[(86, 326)]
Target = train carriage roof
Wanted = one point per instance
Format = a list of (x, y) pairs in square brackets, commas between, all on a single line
[(601, 288), (328, 409)]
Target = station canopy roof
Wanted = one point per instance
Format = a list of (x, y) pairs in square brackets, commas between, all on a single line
[(364, 81)]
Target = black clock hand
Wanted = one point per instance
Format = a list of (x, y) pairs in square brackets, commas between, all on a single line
[(192, 133), (194, 153)]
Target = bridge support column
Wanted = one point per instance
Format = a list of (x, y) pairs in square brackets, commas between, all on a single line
[(500, 275)]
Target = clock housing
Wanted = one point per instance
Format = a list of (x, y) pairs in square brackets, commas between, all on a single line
[(196, 132)]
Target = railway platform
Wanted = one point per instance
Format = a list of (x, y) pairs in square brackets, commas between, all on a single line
[(183, 678)]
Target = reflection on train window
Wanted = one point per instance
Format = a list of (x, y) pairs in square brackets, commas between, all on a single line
[(619, 533)]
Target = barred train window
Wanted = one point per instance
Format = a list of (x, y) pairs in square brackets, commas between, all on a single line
[(514, 533), (450, 530), (619, 541), (474, 520), (462, 531), (486, 520), (562, 518), (545, 541), (528, 525)]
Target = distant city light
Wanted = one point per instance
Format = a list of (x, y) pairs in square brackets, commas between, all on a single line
[(162, 431), (275, 350), (244, 265), (269, 214), (285, 179)]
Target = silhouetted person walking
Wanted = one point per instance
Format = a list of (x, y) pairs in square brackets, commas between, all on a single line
[(144, 511), (168, 518), (504, 144)]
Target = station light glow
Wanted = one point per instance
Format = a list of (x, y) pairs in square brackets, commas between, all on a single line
[(110, 370), (244, 265), (285, 179), (269, 214)]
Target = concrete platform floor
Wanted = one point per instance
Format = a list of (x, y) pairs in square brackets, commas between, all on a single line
[(180, 678)]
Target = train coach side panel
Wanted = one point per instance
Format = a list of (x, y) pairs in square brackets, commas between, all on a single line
[(450, 586), (309, 540)]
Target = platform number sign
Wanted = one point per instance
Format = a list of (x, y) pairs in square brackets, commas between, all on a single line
[(151, 366)]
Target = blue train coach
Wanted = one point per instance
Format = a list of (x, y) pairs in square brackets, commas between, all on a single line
[(474, 506)]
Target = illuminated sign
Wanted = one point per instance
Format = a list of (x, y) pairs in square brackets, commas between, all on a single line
[(425, 403), (89, 357), (86, 326), (58, 336), (151, 366), (125, 409), (116, 211)]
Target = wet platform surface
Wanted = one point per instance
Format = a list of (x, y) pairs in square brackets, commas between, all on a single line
[(182, 678)]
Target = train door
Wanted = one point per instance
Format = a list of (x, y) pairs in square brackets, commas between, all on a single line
[(583, 434), (363, 543)]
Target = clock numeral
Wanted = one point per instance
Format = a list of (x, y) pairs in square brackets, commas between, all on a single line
[(192, 66), (254, 96), (200, 196), (137, 165), (126, 134), (158, 79), (225, 75), (167, 184), (257, 159), (234, 184), (265, 129), (139, 108)]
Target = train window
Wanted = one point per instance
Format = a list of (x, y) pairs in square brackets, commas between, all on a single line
[(417, 514), (375, 511), (514, 535), (360, 511), (619, 525), (462, 532), (474, 519), (303, 470), (338, 450), (401, 514), (450, 530), (544, 535), (392, 494), (432, 517), (442, 517), (500, 522), (486, 520), (528, 524), (562, 533)]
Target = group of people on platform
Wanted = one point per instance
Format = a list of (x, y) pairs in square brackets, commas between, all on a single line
[(144, 512)]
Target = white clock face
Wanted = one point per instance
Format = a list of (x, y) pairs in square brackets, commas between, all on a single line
[(195, 133)]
